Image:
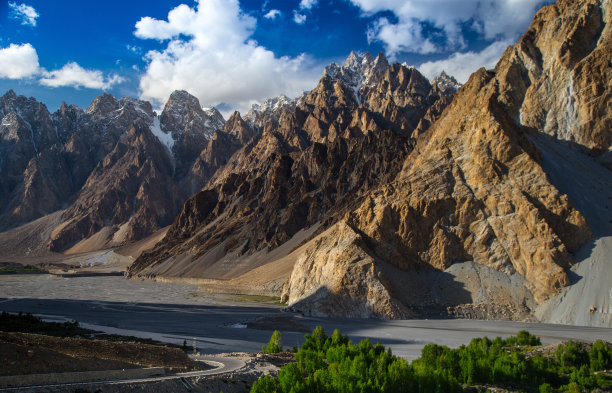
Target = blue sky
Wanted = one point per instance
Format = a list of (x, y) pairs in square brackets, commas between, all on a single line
[(232, 53)]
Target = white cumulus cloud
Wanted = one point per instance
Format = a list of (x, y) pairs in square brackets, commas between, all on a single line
[(21, 62), (308, 4), (462, 65), (27, 14), (180, 19), (493, 20), (210, 53), (400, 37), (298, 18), (76, 76), (18, 61), (272, 14)]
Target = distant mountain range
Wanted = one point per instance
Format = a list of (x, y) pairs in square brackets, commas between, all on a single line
[(378, 193)]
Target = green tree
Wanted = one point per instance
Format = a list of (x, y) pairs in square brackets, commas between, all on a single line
[(275, 345)]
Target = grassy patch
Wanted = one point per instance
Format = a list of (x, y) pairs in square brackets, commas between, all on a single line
[(241, 298), (22, 269), (238, 297), (28, 323)]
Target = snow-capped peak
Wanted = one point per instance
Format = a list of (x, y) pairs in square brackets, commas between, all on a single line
[(446, 82), (352, 61), (215, 119), (269, 108), (358, 71)]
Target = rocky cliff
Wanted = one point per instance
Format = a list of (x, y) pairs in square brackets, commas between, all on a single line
[(475, 188)]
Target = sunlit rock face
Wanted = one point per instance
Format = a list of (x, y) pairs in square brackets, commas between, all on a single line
[(474, 188)]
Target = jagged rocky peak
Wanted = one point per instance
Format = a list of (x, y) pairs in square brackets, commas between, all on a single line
[(181, 103), (238, 127), (445, 82), (10, 95), (11, 102), (380, 64), (215, 118), (106, 103), (234, 120), (66, 120), (33, 117), (183, 115), (143, 107), (6, 101), (271, 104), (270, 109), (27, 108), (68, 110), (358, 73), (103, 104), (234, 134), (354, 61), (190, 127), (354, 67)]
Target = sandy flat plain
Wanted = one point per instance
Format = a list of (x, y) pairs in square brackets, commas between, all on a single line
[(217, 323)]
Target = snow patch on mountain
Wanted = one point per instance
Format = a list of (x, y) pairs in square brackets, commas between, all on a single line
[(164, 137)]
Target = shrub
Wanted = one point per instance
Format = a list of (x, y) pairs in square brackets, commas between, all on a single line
[(572, 354), (264, 385), (546, 388), (523, 338), (600, 356)]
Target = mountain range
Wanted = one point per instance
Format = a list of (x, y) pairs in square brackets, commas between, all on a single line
[(378, 193)]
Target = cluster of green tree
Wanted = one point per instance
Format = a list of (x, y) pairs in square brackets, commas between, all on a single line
[(570, 368), (28, 323), (334, 364)]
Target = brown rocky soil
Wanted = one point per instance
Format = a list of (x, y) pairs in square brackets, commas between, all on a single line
[(26, 353), (257, 365)]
